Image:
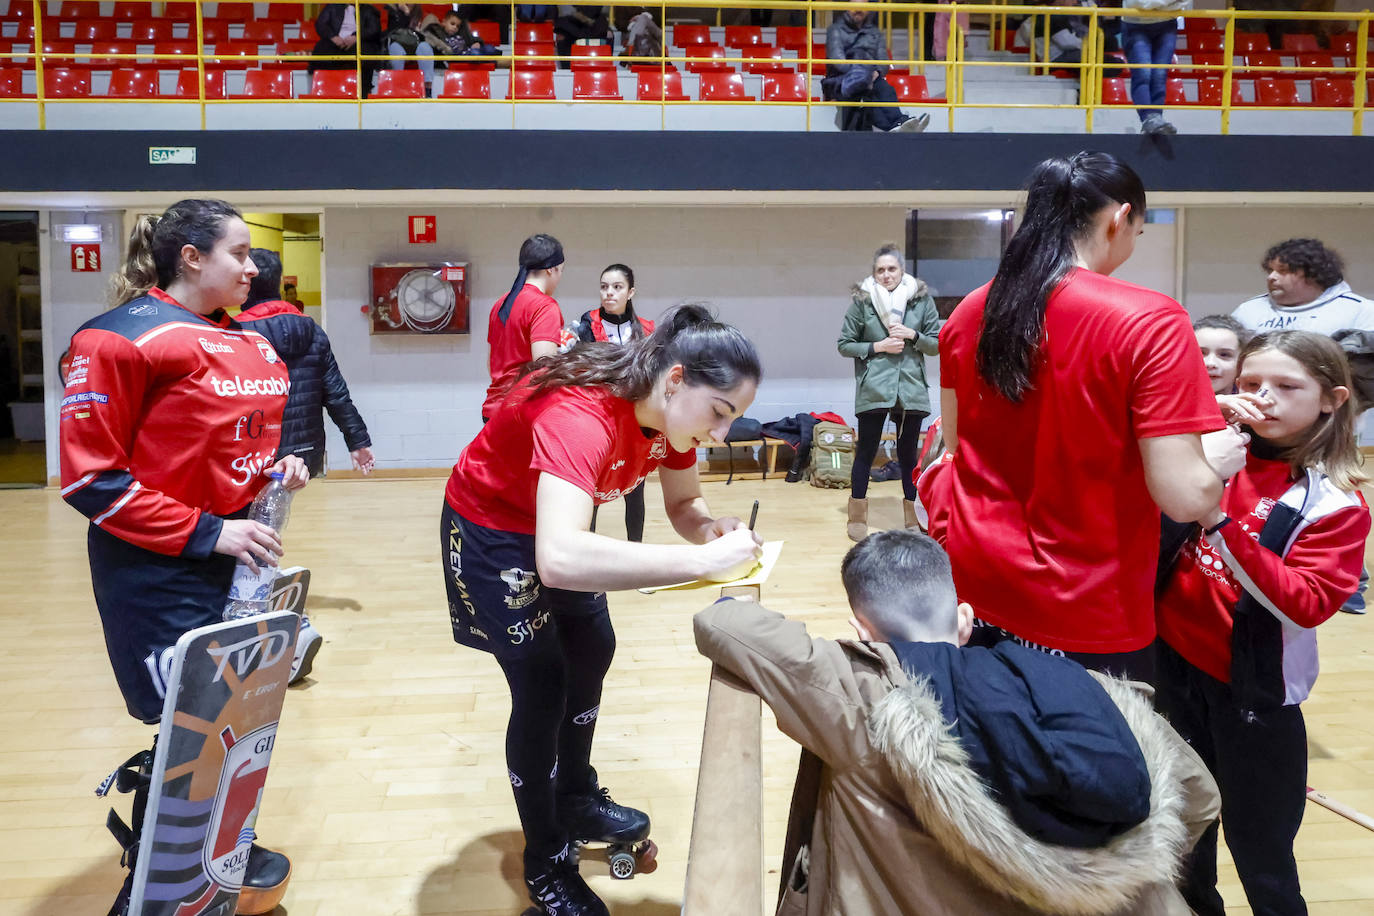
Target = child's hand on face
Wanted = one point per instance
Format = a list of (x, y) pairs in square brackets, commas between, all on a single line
[(1245, 407)]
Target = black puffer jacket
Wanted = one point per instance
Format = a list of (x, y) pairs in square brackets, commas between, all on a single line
[(315, 383)]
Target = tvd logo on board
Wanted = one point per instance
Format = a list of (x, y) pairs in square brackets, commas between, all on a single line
[(239, 387)]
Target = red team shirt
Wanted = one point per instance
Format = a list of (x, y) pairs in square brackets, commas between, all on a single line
[(586, 436), (1052, 533), (533, 317), (1319, 572), (167, 421)]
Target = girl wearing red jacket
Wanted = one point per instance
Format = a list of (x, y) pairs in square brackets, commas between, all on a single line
[(171, 414), (1236, 615)]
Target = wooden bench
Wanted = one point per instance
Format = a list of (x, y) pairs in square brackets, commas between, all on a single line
[(768, 465)]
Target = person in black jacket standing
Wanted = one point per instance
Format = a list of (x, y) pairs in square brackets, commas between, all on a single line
[(316, 385)]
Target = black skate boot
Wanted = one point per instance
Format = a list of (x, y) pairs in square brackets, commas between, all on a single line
[(556, 888), (591, 815), (133, 775)]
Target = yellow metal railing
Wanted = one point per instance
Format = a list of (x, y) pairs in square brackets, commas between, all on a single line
[(48, 53)]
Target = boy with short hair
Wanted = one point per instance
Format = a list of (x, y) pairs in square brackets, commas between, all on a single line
[(957, 780)]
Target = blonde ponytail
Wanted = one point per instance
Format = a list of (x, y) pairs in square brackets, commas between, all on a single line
[(138, 273)]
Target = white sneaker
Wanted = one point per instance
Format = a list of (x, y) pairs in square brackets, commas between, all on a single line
[(912, 125), (308, 642)]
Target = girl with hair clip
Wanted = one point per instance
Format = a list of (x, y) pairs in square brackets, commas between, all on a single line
[(616, 322), (1238, 611), (155, 451), (526, 578), (1072, 406), (890, 323), (526, 323)]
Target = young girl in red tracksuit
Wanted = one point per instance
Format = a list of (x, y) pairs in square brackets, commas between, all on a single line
[(170, 416), (1236, 615)]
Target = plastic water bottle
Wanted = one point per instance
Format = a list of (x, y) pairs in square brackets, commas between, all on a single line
[(250, 591)]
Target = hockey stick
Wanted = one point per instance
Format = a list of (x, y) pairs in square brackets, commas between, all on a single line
[(1345, 811)]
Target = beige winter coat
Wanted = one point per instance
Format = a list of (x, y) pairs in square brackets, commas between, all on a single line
[(903, 827)]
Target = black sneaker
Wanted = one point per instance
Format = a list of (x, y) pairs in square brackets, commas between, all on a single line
[(560, 891), (890, 471), (593, 816)]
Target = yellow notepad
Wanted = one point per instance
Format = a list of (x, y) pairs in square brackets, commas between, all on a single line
[(756, 576)]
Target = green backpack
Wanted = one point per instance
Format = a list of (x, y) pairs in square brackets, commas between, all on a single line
[(832, 455)]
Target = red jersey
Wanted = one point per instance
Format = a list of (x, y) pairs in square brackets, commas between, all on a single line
[(167, 422), (1052, 533), (1307, 584), (533, 317), (586, 436)]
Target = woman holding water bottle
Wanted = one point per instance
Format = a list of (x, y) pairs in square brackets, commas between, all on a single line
[(170, 417)]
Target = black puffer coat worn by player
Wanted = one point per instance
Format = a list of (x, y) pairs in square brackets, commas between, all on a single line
[(316, 383)]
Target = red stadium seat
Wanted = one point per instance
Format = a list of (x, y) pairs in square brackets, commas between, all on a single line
[(687, 34), (909, 87), (524, 32), (531, 84), (306, 28), (466, 84), (268, 84), (400, 84), (334, 84), (486, 31), (263, 31), (80, 9), (1308, 59), (1249, 42), (596, 84), (715, 61), (214, 84), (1201, 59), (181, 47), (593, 57), (233, 55), (1209, 92), (817, 54), (127, 83), (793, 37), (786, 87), (59, 53), (724, 87), (524, 51), (235, 12), (66, 84), (1195, 24), (1206, 41), (1333, 93), (773, 64), (1173, 92), (1263, 65), (12, 84), (186, 12), (1277, 93), (214, 30), (743, 36), (127, 9), (655, 86), (95, 30), (285, 12), (97, 62), (148, 31), (1293, 41), (1344, 43), (293, 54)]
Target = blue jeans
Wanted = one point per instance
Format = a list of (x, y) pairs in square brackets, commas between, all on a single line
[(1149, 43)]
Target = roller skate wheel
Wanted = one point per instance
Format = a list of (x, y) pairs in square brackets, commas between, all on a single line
[(622, 865), (647, 857)]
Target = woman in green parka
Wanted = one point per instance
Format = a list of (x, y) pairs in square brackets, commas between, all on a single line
[(890, 324)]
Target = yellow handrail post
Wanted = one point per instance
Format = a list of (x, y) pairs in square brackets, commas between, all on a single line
[(510, 70), (662, 66), (1227, 50), (911, 37), (921, 39), (810, 9), (1361, 72), (37, 50), (357, 59), (1087, 61), (200, 64)]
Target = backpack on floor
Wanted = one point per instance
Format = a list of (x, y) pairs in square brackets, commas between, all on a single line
[(832, 455)]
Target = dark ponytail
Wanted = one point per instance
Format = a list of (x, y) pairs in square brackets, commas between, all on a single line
[(154, 253), (636, 329), (711, 353), (1063, 197), (538, 252)]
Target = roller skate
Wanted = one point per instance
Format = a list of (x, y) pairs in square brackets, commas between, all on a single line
[(592, 816), (308, 642), (556, 888)]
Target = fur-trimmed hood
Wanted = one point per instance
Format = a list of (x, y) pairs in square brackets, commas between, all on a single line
[(907, 727)]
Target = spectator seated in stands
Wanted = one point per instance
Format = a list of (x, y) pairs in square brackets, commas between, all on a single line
[(960, 780), (642, 38), (532, 12), (579, 23), (340, 34), (405, 37), (854, 35), (453, 37)]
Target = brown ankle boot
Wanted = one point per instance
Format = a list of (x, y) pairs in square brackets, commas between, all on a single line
[(909, 517), (857, 529)]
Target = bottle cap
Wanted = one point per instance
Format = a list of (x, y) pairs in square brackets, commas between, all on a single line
[(275, 475)]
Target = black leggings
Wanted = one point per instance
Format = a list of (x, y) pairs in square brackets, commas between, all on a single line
[(871, 436), (634, 514), (555, 696)]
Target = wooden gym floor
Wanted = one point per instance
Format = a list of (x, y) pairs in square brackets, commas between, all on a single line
[(388, 786)]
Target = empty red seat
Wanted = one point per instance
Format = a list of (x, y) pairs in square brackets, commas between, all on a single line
[(1206, 41), (486, 31), (127, 83), (768, 59), (80, 9), (1293, 41), (786, 87), (743, 36), (817, 54), (596, 84), (1333, 93), (1277, 93), (291, 55), (400, 84), (1308, 59), (95, 30), (713, 59), (1209, 92), (187, 84), (233, 55), (262, 31), (1201, 59), (268, 84), (1249, 42), (334, 84), (99, 60), (149, 31), (910, 87), (686, 34), (12, 83), (238, 12), (656, 86), (1195, 24), (285, 12), (793, 37), (182, 48), (1263, 64), (128, 9), (1173, 92), (596, 56), (531, 84), (186, 12), (531, 31), (60, 53), (724, 87), (66, 84), (1343, 43), (466, 84), (213, 31), (535, 55)]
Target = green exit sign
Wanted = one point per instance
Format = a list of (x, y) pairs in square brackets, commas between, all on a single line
[(171, 155)]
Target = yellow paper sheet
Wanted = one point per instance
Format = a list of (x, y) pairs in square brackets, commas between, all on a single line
[(757, 576)]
